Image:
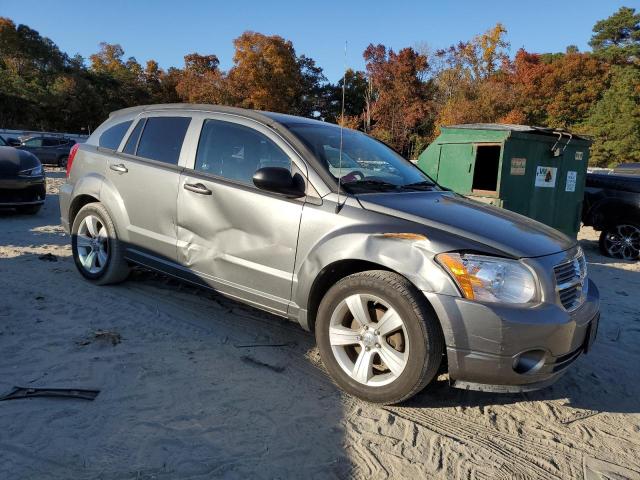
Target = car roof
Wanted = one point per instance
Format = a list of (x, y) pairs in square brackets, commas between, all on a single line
[(278, 122), (263, 116)]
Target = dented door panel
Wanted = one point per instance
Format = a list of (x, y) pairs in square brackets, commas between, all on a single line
[(239, 240)]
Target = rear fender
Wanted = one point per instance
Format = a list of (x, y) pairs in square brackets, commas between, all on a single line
[(111, 199)]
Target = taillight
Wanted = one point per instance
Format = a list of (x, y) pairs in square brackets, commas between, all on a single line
[(72, 155)]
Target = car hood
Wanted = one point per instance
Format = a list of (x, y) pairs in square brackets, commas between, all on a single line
[(499, 229), (13, 160)]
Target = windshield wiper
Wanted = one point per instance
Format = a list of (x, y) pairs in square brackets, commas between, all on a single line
[(371, 184), (423, 185)]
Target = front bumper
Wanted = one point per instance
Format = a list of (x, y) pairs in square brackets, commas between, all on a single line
[(486, 343), (21, 191)]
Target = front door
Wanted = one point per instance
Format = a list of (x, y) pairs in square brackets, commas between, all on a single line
[(34, 145), (232, 236), (146, 176)]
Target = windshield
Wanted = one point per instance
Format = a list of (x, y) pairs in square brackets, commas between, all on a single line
[(366, 164)]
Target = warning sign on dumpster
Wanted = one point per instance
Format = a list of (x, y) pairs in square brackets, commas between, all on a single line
[(546, 177), (518, 166), (572, 176)]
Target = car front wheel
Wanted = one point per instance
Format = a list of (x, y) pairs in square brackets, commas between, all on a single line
[(378, 337)]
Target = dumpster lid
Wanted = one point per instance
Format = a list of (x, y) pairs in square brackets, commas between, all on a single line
[(516, 128)]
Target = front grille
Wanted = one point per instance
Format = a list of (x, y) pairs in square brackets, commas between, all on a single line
[(570, 281)]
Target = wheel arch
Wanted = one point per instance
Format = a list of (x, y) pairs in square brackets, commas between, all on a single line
[(329, 276), (336, 271), (608, 212), (77, 203)]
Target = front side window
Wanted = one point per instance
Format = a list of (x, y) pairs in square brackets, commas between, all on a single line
[(162, 138), (2, 142), (235, 152), (363, 164), (112, 136)]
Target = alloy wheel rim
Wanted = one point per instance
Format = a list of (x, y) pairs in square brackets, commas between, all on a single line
[(369, 340), (92, 244), (623, 242)]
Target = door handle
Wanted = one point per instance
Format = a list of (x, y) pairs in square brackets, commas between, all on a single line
[(120, 168), (197, 188)]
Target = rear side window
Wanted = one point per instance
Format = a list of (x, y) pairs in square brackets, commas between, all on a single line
[(162, 138), (112, 136), (132, 142)]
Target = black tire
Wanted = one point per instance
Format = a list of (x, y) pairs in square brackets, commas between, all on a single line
[(29, 209), (422, 327), (62, 161), (116, 269), (629, 251)]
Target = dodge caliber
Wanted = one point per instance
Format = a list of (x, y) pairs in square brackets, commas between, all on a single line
[(398, 278)]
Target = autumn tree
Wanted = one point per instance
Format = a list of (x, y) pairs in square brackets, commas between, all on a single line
[(558, 90), (473, 81), (201, 81), (268, 75), (401, 109)]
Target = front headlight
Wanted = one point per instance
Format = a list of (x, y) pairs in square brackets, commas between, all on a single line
[(490, 279), (32, 172)]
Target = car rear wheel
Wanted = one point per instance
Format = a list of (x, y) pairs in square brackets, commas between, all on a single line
[(62, 161), (378, 337), (97, 251), (621, 241)]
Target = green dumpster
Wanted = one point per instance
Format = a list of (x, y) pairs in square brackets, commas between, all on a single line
[(534, 171)]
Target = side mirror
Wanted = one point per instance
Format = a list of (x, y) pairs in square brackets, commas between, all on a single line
[(279, 180)]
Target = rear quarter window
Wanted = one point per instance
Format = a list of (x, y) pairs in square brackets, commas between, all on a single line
[(162, 138), (112, 136)]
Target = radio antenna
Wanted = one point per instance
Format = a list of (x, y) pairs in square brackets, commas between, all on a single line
[(344, 84)]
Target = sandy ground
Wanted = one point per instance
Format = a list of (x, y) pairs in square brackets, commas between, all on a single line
[(183, 396)]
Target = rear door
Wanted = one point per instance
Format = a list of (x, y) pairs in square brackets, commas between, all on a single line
[(50, 150), (231, 235), (146, 175)]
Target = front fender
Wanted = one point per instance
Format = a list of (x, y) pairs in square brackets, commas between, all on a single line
[(413, 259)]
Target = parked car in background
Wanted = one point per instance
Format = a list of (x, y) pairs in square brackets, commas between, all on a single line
[(628, 168), (50, 150), (612, 205), (22, 181), (393, 274)]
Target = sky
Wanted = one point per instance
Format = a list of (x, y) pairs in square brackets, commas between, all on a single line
[(166, 31)]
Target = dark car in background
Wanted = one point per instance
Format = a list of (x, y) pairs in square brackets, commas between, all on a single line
[(22, 181), (612, 206), (50, 150)]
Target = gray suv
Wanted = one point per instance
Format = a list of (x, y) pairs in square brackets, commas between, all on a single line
[(332, 229)]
